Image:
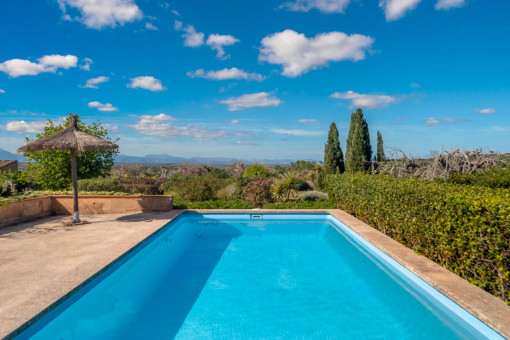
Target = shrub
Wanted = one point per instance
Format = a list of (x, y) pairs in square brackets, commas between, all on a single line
[(283, 188), (466, 229), (192, 169), (301, 205), (193, 188), (230, 192), (494, 178), (99, 184), (257, 171), (214, 204), (236, 169), (312, 196), (258, 192)]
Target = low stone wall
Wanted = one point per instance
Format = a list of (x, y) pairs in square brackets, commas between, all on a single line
[(31, 209)]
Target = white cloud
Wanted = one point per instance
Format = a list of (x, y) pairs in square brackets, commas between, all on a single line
[(146, 82), (102, 13), (434, 121), (297, 132), (307, 121), (369, 101), (103, 107), (49, 63), (217, 41), (396, 9), (25, 127), (87, 64), (157, 126), (235, 121), (192, 38), (299, 54), (111, 127), (92, 83), (2, 91), (325, 6), (487, 111), (448, 4), (251, 100), (226, 73), (150, 26)]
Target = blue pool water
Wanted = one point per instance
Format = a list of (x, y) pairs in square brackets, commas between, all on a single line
[(236, 277)]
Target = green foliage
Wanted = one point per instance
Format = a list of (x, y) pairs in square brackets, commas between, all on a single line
[(230, 192), (301, 205), (317, 176), (380, 157), (193, 188), (282, 189), (257, 171), (258, 192), (466, 229), (12, 183), (99, 184), (359, 151), (312, 196), (301, 166), (52, 169), (214, 204), (333, 155), (493, 178)]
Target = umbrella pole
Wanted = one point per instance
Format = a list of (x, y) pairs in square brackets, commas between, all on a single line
[(74, 174)]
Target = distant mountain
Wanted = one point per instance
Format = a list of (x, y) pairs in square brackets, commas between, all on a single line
[(6, 155), (165, 159)]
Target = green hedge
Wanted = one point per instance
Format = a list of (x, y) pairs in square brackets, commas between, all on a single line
[(464, 228), (214, 204), (301, 205)]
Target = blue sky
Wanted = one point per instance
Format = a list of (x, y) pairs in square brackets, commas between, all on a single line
[(259, 79)]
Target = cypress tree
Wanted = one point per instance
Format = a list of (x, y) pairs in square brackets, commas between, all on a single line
[(359, 151), (333, 155), (381, 157)]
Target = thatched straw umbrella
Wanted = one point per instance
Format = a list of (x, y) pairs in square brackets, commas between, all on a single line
[(70, 139)]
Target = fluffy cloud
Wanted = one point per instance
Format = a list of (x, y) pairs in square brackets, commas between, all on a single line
[(325, 6), (25, 127), (235, 121), (2, 91), (396, 9), (146, 82), (487, 111), (150, 26), (159, 126), (251, 100), (103, 107), (92, 83), (192, 38), (448, 4), (102, 13), (307, 121), (49, 63), (299, 54), (226, 73), (297, 132), (217, 41), (111, 128), (369, 101), (86, 66), (434, 121)]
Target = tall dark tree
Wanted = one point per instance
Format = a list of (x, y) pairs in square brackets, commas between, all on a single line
[(333, 155), (381, 157), (359, 151)]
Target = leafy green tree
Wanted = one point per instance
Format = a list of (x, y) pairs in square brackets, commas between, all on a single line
[(257, 171), (359, 150), (381, 157), (333, 155), (52, 169)]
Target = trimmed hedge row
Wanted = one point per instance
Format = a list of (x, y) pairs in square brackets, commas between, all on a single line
[(466, 229)]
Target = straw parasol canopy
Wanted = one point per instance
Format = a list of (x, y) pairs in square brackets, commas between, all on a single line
[(70, 139)]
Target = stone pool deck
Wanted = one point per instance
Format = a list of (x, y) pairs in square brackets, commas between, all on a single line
[(42, 261)]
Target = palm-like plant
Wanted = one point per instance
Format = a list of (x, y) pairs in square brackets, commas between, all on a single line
[(283, 188)]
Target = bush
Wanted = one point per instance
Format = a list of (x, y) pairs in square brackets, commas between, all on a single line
[(99, 184), (258, 192), (494, 178), (193, 188), (312, 196), (301, 205), (230, 192), (216, 204), (257, 171), (466, 229)]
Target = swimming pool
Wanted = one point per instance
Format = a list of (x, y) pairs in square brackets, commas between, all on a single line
[(257, 276)]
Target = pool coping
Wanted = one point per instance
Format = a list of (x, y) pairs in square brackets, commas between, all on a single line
[(486, 307)]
